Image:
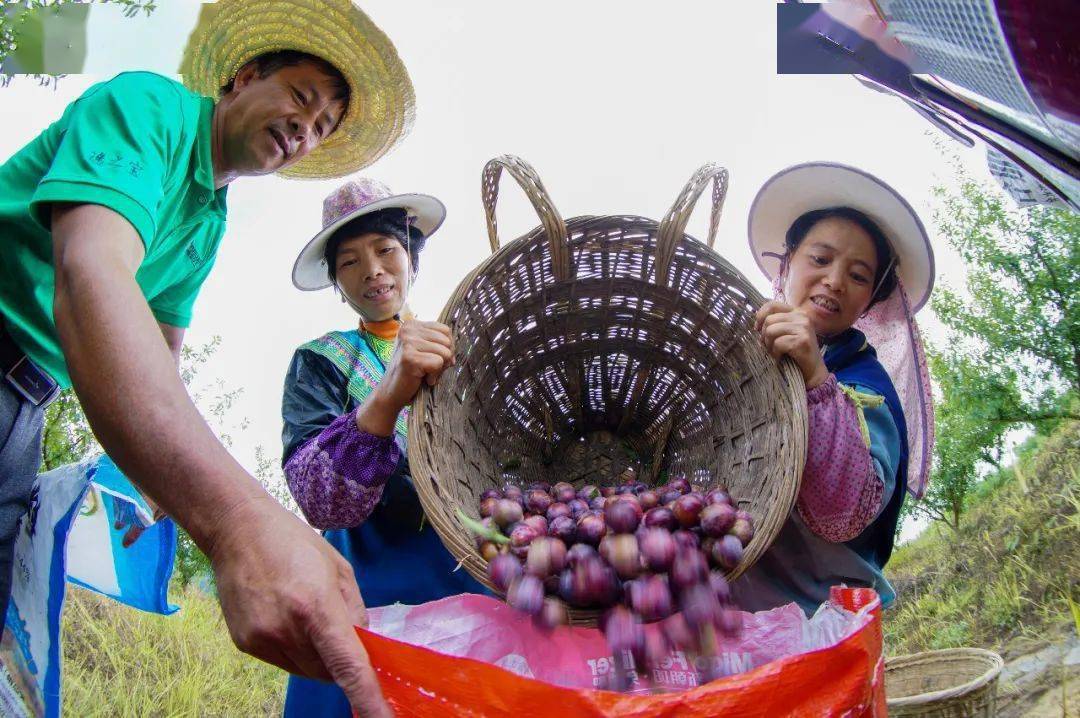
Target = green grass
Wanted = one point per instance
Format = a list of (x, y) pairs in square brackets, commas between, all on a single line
[(1012, 571), (121, 662)]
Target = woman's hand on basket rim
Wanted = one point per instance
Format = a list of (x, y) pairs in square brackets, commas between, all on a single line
[(788, 330), (424, 351)]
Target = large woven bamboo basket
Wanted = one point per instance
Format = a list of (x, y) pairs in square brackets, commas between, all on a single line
[(599, 343), (953, 683)]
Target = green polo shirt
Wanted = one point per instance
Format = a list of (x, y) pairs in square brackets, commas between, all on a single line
[(138, 144)]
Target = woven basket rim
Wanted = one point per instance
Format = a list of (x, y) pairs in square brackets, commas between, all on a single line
[(661, 237), (586, 616), (993, 661)]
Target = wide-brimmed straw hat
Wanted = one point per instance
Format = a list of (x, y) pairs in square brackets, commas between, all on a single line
[(802, 188), (346, 203), (231, 33)]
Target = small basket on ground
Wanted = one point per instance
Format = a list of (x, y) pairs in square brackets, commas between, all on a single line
[(601, 342), (952, 683)]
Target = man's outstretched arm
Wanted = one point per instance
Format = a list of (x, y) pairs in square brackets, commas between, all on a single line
[(287, 596), (174, 340)]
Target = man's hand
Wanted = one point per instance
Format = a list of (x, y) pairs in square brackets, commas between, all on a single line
[(291, 600), (787, 330), (424, 350)]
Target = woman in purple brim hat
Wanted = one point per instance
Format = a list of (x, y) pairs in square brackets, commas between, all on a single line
[(344, 409)]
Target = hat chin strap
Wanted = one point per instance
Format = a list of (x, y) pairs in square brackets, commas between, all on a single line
[(345, 298), (892, 263)]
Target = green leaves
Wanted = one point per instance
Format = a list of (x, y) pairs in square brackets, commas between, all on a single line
[(47, 38), (491, 534), (66, 437), (1013, 352), (1023, 285)]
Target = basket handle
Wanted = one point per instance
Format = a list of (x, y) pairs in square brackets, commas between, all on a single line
[(534, 189), (673, 225)]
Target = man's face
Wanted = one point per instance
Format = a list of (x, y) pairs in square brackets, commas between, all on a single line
[(272, 122)]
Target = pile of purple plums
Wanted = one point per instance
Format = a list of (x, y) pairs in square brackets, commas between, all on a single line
[(638, 553)]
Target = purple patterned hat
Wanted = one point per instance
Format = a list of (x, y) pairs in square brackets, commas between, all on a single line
[(349, 201)]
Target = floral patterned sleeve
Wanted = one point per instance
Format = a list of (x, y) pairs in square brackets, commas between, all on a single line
[(335, 472), (851, 463)]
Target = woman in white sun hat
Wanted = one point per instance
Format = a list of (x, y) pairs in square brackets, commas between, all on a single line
[(345, 407), (850, 263)]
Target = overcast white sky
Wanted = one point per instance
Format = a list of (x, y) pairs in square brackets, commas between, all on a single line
[(615, 103)]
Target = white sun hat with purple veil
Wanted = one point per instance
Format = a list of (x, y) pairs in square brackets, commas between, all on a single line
[(889, 325), (355, 199)]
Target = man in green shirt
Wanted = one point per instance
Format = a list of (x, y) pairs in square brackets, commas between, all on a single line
[(109, 223)]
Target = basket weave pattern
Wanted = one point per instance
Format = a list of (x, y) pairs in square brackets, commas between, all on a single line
[(953, 683), (603, 342)]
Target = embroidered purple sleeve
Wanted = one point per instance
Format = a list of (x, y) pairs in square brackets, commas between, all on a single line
[(841, 490), (337, 477)]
